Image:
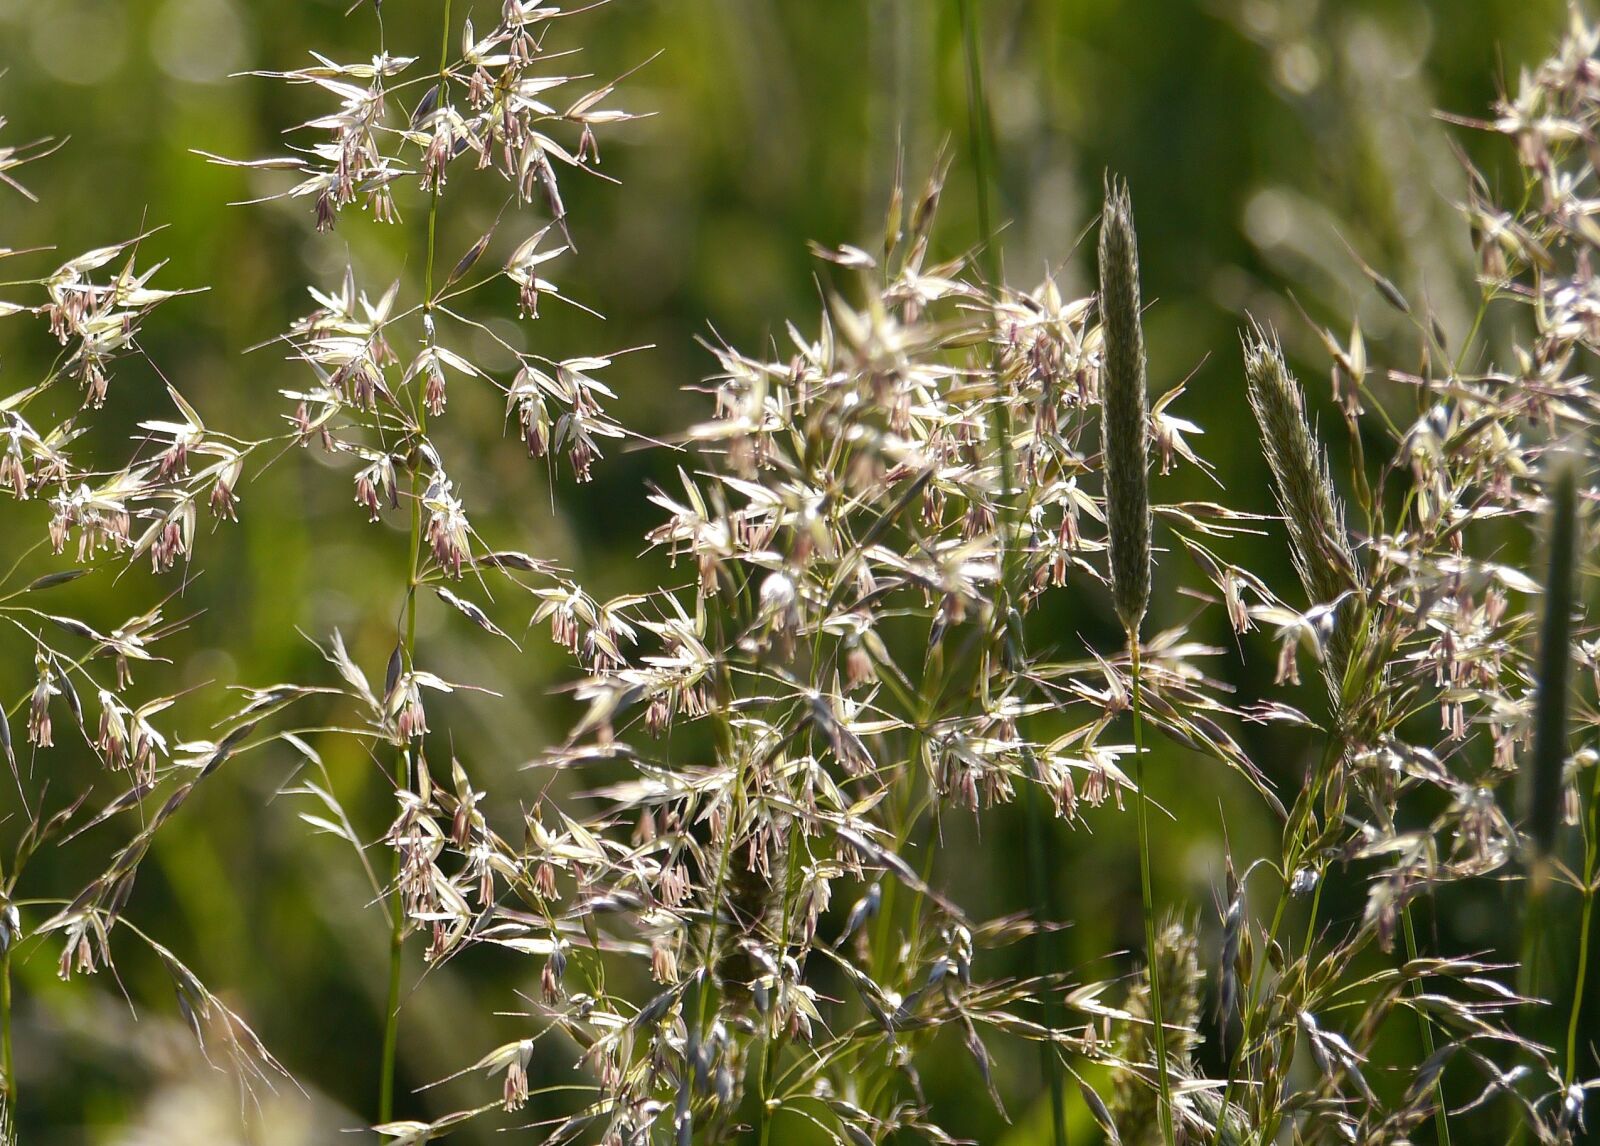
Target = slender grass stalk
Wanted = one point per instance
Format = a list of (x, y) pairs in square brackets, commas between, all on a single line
[(1425, 1026), (1591, 860), (1042, 862), (391, 1011), (1148, 896), (1533, 923), (703, 1002), (8, 1079), (10, 932)]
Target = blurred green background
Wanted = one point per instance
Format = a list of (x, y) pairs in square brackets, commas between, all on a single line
[(1259, 136)]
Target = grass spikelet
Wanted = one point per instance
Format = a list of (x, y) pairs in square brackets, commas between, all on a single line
[(1177, 967), (1125, 426), (1313, 514)]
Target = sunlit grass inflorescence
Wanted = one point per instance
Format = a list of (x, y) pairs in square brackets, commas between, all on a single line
[(727, 891), (73, 509)]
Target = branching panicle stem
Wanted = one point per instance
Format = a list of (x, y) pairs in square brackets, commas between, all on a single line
[(403, 763), (1591, 867)]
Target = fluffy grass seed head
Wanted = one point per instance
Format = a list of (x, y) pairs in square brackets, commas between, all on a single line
[(1124, 427)]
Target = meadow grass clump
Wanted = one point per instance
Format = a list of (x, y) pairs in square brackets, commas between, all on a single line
[(380, 368), (740, 924), (730, 902), (1434, 628)]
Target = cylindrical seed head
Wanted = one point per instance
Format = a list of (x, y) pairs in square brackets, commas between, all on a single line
[(1311, 511), (1124, 424)]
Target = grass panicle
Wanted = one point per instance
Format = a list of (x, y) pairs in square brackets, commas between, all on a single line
[(1041, 834)]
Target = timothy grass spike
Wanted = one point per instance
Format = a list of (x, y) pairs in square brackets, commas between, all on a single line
[(1312, 512), (1125, 426), (1125, 439)]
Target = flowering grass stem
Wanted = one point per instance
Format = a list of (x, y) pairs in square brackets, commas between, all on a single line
[(8, 1081), (391, 1027)]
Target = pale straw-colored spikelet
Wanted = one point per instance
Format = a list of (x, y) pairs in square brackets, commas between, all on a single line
[(1125, 426)]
